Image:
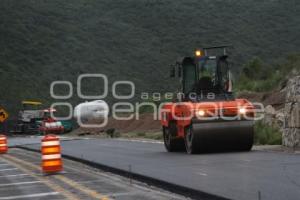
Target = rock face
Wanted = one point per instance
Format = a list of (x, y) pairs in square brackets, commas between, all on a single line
[(291, 131), (274, 117), (270, 113)]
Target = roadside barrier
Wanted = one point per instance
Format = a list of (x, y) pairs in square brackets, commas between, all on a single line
[(51, 154), (3, 144)]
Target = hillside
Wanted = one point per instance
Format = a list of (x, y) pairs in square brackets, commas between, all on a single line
[(43, 41)]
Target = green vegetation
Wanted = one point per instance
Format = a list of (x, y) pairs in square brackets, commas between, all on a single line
[(145, 135), (260, 77), (265, 134), (136, 40), (112, 133)]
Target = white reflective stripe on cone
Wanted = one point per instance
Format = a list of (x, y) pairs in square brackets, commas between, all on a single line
[(3, 145), (49, 157), (50, 143), (2, 138)]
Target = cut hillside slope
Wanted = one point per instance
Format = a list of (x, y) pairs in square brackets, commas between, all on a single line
[(145, 123)]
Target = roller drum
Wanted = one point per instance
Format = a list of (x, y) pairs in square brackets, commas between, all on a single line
[(225, 135)]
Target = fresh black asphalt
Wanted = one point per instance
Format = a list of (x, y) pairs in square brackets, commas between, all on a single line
[(234, 175)]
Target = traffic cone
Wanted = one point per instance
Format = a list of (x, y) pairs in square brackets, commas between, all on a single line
[(51, 154), (3, 144)]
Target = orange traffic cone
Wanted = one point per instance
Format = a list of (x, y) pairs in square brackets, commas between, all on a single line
[(51, 154), (3, 144)]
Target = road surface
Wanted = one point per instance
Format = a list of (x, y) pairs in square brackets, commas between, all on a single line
[(22, 140), (21, 178), (240, 175)]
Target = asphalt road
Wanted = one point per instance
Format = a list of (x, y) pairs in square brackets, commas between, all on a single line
[(22, 140), (21, 178), (240, 175)]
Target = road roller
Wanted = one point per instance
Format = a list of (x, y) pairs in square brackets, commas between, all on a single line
[(205, 116)]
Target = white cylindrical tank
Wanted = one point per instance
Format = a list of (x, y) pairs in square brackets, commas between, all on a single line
[(97, 109)]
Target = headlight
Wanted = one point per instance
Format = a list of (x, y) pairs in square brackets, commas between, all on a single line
[(242, 110), (201, 113)]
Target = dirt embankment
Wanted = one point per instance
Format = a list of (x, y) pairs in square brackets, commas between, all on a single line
[(145, 123)]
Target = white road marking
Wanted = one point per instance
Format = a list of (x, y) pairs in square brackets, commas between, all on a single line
[(30, 196), (201, 174), (15, 175), (20, 183), (9, 169), (143, 141), (4, 164)]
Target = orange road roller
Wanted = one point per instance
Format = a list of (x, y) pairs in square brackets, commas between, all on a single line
[(205, 115)]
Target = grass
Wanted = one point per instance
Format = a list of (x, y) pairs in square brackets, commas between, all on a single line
[(143, 135), (265, 134)]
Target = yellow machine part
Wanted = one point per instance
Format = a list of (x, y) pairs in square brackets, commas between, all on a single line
[(31, 103)]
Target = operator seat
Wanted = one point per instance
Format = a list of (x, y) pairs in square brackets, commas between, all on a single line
[(204, 85)]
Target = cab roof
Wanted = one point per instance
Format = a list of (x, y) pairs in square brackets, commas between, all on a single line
[(35, 103)]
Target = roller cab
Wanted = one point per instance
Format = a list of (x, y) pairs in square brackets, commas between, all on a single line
[(206, 116)]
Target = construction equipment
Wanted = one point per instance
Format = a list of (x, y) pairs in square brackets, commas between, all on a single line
[(205, 116), (33, 119), (50, 125), (27, 118)]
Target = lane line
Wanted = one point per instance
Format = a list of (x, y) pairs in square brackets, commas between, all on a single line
[(99, 173), (20, 183), (82, 188), (201, 174), (70, 182), (30, 196), (113, 180), (18, 163), (76, 185), (141, 140), (14, 175), (107, 177), (9, 169)]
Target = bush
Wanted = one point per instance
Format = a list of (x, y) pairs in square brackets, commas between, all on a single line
[(265, 134), (254, 69), (259, 77), (113, 133), (141, 134)]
